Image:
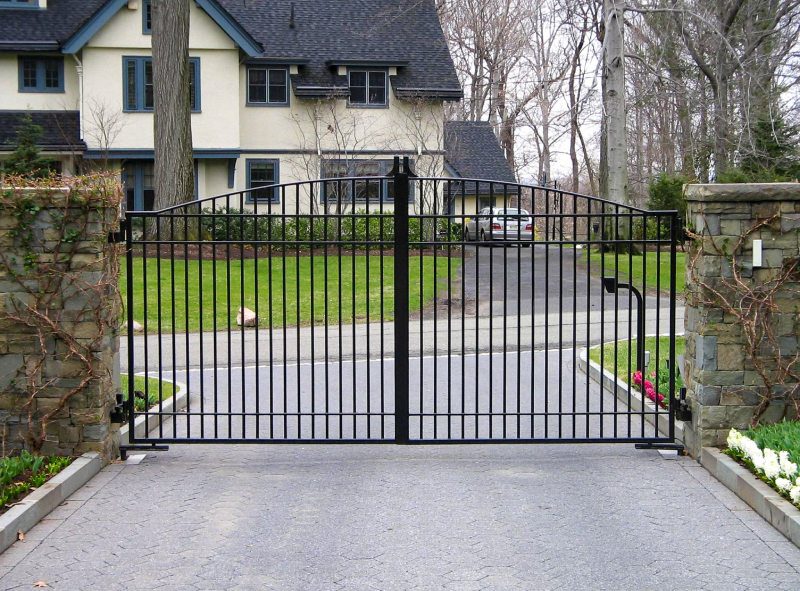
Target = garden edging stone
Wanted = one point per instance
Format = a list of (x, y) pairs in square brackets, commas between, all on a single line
[(620, 389), (776, 510), (175, 403), (35, 506)]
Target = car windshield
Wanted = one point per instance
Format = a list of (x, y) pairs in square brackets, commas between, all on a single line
[(501, 211)]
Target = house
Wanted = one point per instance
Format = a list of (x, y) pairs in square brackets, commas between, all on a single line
[(473, 152), (282, 91)]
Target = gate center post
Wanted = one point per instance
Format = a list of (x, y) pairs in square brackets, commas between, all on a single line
[(401, 194)]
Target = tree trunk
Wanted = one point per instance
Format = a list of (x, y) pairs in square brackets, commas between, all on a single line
[(174, 164), (614, 104)]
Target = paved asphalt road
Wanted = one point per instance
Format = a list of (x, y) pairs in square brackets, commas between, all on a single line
[(322, 518), (360, 517), (519, 396), (538, 280)]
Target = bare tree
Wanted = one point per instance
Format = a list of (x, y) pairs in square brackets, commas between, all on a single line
[(104, 127)]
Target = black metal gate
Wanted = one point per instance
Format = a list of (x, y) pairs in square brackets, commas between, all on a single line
[(401, 309)]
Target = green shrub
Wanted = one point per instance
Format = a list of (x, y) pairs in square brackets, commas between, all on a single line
[(306, 230)]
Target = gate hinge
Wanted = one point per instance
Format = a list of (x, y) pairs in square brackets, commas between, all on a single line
[(121, 411), (683, 412), (116, 237)]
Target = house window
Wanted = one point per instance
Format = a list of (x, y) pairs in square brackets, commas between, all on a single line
[(138, 73), (364, 188), (19, 4), (368, 88), (41, 74), (262, 173), (147, 17), (267, 86)]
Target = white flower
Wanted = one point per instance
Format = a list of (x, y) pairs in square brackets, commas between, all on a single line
[(757, 457), (788, 467), (772, 465), (783, 484), (735, 440), (794, 494)]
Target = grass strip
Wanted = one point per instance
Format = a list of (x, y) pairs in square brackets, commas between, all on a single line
[(151, 386), (633, 268), (169, 288)]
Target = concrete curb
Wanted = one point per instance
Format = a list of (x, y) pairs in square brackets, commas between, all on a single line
[(779, 512), (35, 507), (620, 389), (175, 403)]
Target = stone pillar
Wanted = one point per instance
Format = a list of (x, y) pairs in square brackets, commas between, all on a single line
[(59, 318), (724, 385)]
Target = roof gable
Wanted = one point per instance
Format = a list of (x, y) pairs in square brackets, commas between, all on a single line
[(211, 7), (473, 152)]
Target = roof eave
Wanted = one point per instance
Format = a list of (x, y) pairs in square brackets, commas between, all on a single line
[(22, 46), (448, 94)]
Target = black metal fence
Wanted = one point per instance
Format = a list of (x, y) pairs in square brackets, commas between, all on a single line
[(401, 309)]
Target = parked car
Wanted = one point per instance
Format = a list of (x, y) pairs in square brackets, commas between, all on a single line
[(500, 224)]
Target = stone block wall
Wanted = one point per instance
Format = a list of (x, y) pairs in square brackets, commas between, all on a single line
[(59, 317), (724, 376)]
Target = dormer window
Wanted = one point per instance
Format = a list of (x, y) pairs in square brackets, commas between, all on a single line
[(367, 88), (267, 86)]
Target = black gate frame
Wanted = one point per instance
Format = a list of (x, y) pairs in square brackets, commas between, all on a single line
[(607, 214)]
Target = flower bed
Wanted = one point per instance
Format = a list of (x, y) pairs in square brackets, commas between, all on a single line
[(25, 472), (771, 452)]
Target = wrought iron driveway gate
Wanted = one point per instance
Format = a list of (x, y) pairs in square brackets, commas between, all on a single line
[(400, 309)]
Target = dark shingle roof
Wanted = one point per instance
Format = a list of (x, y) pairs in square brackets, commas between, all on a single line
[(326, 32), (61, 129), (472, 150), (36, 30), (319, 33)]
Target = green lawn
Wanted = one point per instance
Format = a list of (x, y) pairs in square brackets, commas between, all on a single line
[(623, 352), (282, 291), (637, 264), (167, 390)]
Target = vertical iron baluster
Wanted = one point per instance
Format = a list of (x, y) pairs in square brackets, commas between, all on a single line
[(242, 279), (214, 316), (257, 296), (325, 281), (367, 297), (353, 279), (560, 197), (505, 304), (160, 325), (339, 300), (129, 276), (297, 268), (270, 310), (491, 310), (145, 333), (673, 242), (519, 309), (588, 307), (186, 321), (575, 308), (285, 306), (547, 313), (312, 297), (228, 216), (463, 310)]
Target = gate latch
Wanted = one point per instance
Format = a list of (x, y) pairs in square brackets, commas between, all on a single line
[(683, 412)]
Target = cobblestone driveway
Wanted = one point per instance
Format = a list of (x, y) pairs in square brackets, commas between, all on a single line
[(380, 517)]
